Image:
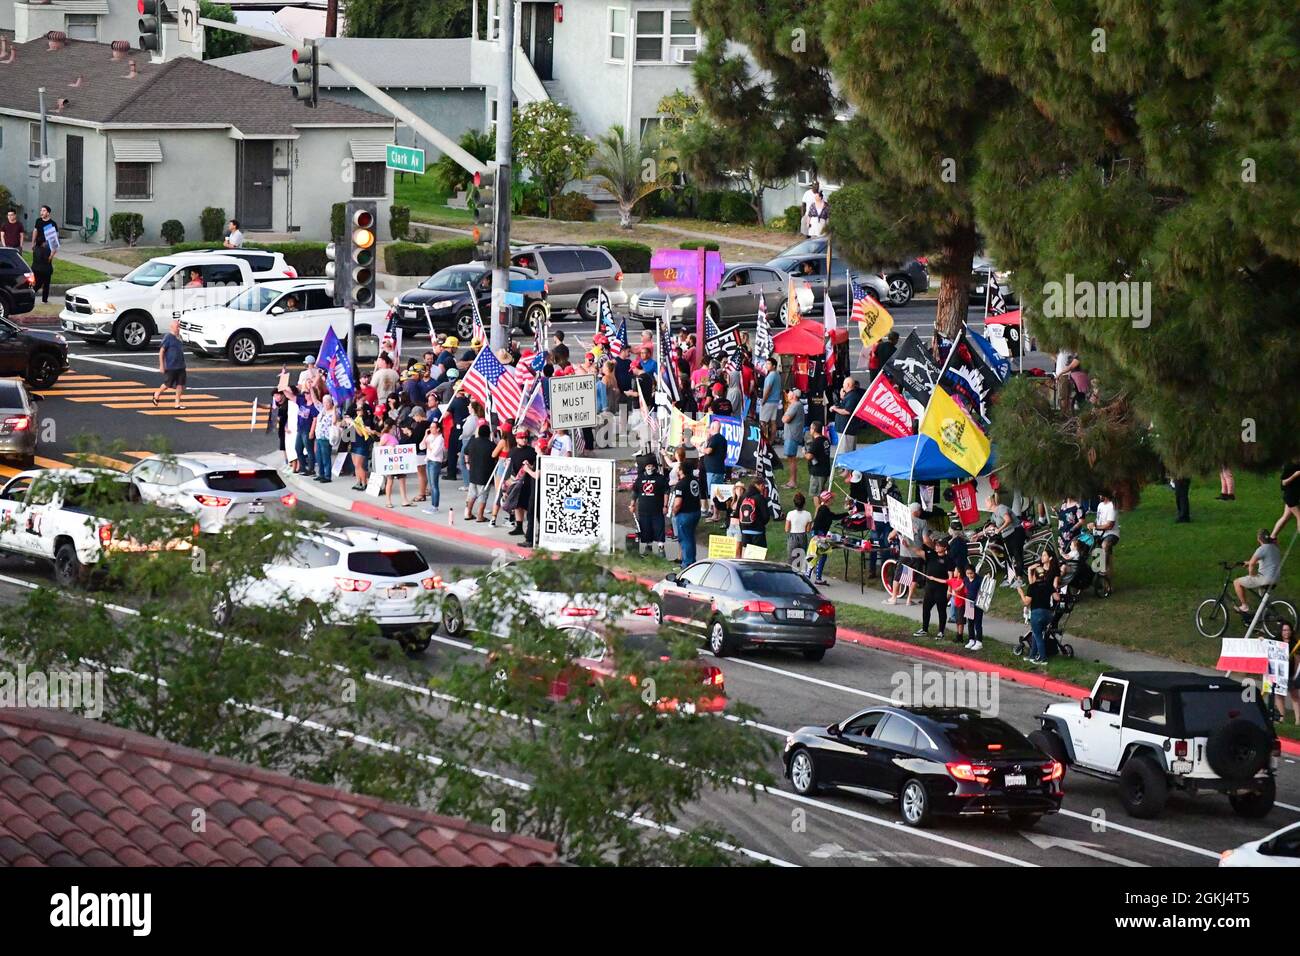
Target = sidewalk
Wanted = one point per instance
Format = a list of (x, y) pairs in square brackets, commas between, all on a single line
[(449, 524), (76, 251)]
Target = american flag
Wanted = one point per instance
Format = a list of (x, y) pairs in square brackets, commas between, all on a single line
[(667, 373), (996, 303), (533, 413), (859, 296), (617, 334), (493, 384), (762, 333), (828, 314), (477, 332), (527, 370)]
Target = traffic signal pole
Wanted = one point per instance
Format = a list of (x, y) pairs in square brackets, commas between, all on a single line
[(501, 220)]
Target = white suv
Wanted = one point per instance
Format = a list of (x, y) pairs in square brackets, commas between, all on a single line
[(349, 575), (1156, 730), (142, 303), (288, 316), (217, 489), (266, 265)]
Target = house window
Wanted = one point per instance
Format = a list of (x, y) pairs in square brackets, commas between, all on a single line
[(681, 32), (134, 180), (617, 33), (805, 177), (34, 150), (650, 36), (370, 180), (81, 26)]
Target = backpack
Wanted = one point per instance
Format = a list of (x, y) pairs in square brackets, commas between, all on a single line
[(748, 510)]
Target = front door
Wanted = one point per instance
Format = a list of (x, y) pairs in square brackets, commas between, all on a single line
[(72, 194), (543, 40), (253, 202)]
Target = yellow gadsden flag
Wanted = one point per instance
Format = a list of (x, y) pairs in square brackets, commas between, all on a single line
[(959, 438), (874, 320)]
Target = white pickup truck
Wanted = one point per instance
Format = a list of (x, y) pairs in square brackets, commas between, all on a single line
[(47, 514), (133, 309)]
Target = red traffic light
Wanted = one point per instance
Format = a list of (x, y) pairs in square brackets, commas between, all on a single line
[(139, 6), (363, 219), (478, 180), (293, 53)]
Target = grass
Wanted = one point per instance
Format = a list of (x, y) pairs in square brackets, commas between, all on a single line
[(427, 200), (131, 256), (70, 273)]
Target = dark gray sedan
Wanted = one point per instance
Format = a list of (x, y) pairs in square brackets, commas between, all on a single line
[(737, 604), (18, 431)]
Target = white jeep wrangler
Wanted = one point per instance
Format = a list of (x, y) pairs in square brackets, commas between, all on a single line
[(1156, 730)]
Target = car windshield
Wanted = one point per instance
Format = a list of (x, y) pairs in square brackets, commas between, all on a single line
[(11, 395), (255, 299), (989, 737), (149, 274), (449, 279), (1205, 711), (786, 263), (774, 582), (387, 564)]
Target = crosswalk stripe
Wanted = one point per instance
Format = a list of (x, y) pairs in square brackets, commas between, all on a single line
[(51, 463), (227, 417), (102, 399), (235, 428), (85, 386), (82, 377), (141, 406), (8, 471), (103, 460), (182, 412), (141, 455)]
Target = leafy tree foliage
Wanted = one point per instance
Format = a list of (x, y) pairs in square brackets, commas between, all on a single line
[(546, 142), (218, 42), (408, 19), (454, 177), (630, 171)]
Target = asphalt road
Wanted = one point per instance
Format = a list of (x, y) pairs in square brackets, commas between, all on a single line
[(107, 396)]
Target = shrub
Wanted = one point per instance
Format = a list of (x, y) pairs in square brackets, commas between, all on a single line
[(735, 207), (413, 259), (338, 212), (572, 207), (399, 221), (707, 244), (128, 226), (526, 199), (211, 223), (306, 258), (631, 256), (708, 204), (789, 220), (173, 232)]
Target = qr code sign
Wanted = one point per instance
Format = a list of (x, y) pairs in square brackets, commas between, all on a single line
[(572, 505)]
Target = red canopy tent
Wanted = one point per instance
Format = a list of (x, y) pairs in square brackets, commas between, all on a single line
[(806, 338)]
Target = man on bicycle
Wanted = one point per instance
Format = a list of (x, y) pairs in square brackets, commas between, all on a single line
[(1262, 570)]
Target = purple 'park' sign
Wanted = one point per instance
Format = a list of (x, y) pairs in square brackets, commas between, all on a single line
[(677, 271)]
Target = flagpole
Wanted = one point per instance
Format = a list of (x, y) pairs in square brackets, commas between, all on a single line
[(916, 446)]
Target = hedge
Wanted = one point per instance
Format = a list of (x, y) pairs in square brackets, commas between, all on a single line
[(399, 222), (173, 231), (126, 225), (212, 221), (414, 259), (706, 244), (631, 256), (735, 207), (572, 207), (306, 258)]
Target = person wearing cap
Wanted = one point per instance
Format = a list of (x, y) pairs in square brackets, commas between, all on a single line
[(307, 377), (521, 471), (792, 420), (441, 393), (447, 357), (818, 452), (821, 530)]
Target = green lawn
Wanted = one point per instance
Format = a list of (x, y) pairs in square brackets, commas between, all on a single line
[(69, 273), (427, 200)]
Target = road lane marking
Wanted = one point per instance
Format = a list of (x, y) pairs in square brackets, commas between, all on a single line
[(198, 402), (117, 364), (51, 463), (809, 680)]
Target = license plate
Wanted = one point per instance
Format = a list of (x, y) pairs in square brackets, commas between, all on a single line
[(979, 288), (1015, 780), (397, 592), (1181, 766), (797, 615)]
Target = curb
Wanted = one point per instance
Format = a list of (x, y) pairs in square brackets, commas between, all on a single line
[(1041, 682)]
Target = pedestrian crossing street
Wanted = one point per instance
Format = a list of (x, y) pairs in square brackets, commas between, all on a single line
[(212, 410), (80, 460)]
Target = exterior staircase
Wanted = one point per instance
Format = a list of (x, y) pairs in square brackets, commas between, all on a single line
[(606, 203)]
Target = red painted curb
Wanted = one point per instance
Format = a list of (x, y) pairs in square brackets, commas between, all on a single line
[(404, 520)]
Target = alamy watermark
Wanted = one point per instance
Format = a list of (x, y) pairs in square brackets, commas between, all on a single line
[(81, 691), (1082, 299), (934, 688)]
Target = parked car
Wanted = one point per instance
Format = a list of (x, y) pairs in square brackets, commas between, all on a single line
[(574, 275), (17, 284), (19, 436), (287, 316), (1153, 731), (443, 299), (266, 265), (1279, 848), (979, 283), (135, 308), (812, 270), (931, 761), (348, 575), (735, 301), (736, 604), (37, 356), (904, 281), (217, 489)]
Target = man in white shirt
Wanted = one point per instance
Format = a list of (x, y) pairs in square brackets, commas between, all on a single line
[(1066, 363), (1107, 526), (805, 205), (234, 238), (307, 377), (561, 444)]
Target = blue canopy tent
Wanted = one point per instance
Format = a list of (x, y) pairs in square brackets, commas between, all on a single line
[(893, 459)]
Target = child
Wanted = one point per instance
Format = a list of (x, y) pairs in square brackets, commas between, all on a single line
[(974, 584), (797, 523)]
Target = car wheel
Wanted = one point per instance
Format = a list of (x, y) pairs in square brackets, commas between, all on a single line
[(900, 290), (464, 325), (813, 653), (1254, 805), (719, 643), (657, 608), (1101, 586), (784, 314), (1050, 743), (914, 804), (588, 308), (1143, 788), (134, 332), (43, 370), (453, 616), (415, 642), (69, 572), (243, 348), (26, 462), (534, 316), (222, 610), (803, 773)]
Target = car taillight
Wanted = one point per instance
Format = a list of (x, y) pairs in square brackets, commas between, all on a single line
[(646, 611), (433, 583), (713, 677), (212, 501), (760, 607), (291, 272), (995, 746), (105, 533), (579, 611), (972, 773), (352, 584), (1053, 770), (618, 277), (289, 500), (19, 423), (826, 609), (30, 278), (247, 472), (1180, 748)]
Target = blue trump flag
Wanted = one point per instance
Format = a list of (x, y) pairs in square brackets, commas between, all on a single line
[(333, 361)]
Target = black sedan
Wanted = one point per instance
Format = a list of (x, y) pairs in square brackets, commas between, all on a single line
[(931, 761), (443, 300), (737, 604)]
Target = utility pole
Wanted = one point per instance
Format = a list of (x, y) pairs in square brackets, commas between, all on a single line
[(332, 18), (501, 223)]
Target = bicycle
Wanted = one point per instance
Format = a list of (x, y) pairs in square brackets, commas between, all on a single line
[(1213, 614)]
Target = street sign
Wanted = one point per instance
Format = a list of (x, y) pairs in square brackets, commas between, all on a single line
[(404, 159), (514, 298), (527, 285), (677, 271), (187, 24)]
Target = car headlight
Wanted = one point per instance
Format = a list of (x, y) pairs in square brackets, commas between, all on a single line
[(441, 304), (104, 309), (789, 742), (60, 339), (685, 302)]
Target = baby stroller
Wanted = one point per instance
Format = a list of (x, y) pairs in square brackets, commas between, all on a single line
[(1088, 570), (1055, 629)]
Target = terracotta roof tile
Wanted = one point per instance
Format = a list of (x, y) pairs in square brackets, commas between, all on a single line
[(73, 791)]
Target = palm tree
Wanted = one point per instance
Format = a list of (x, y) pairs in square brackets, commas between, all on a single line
[(631, 171)]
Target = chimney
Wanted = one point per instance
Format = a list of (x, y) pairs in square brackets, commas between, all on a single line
[(58, 39), (61, 104), (119, 48)]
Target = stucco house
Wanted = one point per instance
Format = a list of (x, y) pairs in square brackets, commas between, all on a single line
[(124, 134)]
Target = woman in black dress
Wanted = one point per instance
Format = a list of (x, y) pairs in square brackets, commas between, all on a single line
[(1290, 496)]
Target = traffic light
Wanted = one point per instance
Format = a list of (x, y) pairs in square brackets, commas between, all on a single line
[(485, 215), (358, 290), (150, 24), (306, 72), (335, 281)]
